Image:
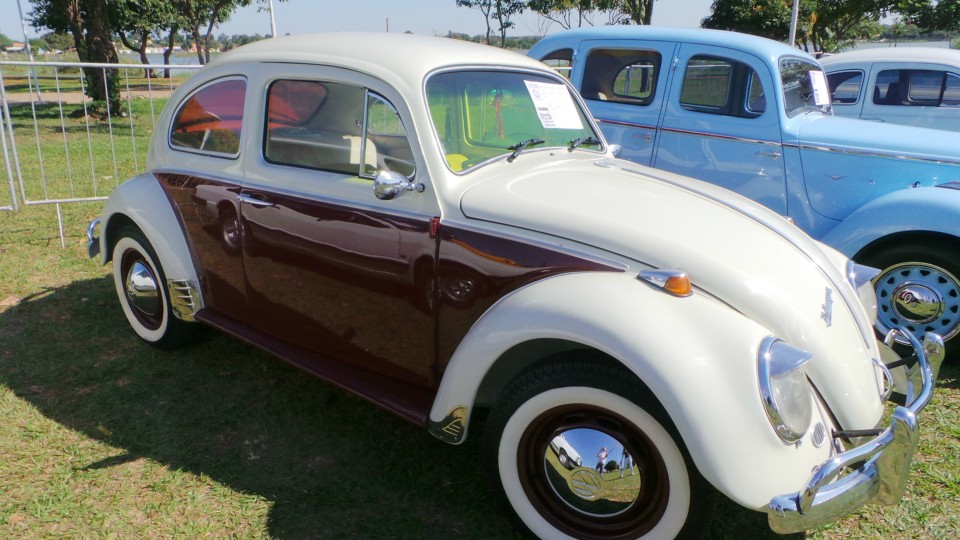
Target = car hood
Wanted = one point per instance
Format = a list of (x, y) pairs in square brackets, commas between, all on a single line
[(873, 138), (731, 247)]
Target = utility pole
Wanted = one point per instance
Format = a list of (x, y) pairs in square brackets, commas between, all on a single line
[(273, 20), (794, 15)]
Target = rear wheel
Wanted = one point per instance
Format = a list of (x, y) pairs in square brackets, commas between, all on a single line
[(594, 407), (141, 289)]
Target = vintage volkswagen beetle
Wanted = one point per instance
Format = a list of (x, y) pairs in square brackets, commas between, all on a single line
[(440, 228)]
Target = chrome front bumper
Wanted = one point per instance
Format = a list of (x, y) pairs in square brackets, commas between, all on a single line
[(877, 471)]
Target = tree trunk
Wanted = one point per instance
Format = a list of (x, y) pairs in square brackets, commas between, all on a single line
[(171, 42)]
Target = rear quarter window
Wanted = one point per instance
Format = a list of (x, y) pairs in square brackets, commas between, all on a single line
[(211, 119)]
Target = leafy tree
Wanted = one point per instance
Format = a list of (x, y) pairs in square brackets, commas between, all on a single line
[(5, 41), (499, 11), (942, 15), (88, 22), (566, 13), (767, 18), (637, 11), (136, 21), (205, 14), (823, 26), (57, 41)]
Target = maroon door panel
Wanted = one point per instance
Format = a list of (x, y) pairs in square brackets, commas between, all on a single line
[(208, 214), (347, 283)]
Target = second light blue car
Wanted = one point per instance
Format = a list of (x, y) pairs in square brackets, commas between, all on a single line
[(755, 116)]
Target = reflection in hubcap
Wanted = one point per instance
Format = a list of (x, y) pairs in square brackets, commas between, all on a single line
[(917, 303), (141, 289), (600, 490)]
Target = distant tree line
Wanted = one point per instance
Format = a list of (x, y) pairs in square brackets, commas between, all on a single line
[(823, 25)]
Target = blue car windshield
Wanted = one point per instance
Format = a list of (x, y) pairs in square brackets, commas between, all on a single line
[(804, 86)]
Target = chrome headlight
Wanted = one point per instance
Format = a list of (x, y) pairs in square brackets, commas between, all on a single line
[(784, 388), (860, 277)]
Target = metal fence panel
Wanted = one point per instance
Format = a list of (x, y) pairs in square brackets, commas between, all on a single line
[(59, 147)]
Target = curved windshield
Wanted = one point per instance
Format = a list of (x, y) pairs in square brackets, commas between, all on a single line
[(479, 115), (804, 86)]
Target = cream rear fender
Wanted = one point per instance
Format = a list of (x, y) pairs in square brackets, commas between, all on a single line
[(922, 209), (696, 354), (142, 200)]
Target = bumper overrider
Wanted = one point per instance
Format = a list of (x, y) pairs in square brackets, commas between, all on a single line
[(874, 472)]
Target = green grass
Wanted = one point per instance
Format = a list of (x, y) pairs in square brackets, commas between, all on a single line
[(104, 436)]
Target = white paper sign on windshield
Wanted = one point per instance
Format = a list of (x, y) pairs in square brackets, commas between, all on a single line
[(555, 106), (821, 94)]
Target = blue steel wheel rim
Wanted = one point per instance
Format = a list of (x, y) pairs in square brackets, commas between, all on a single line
[(920, 297)]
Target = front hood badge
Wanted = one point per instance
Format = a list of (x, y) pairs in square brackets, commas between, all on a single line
[(826, 312)]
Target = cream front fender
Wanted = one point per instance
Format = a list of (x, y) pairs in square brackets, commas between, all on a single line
[(142, 200), (696, 354)]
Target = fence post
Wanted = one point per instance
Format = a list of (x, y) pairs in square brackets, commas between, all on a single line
[(6, 123)]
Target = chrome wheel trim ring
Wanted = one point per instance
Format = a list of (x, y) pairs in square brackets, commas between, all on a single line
[(920, 297)]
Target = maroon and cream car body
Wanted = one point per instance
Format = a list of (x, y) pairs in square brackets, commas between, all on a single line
[(440, 228)]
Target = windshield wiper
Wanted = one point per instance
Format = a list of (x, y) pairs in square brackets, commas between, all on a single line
[(521, 146), (579, 141)]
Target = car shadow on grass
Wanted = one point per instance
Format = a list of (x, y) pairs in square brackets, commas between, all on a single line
[(331, 465)]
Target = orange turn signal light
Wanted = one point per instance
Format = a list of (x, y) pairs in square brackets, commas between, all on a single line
[(674, 282)]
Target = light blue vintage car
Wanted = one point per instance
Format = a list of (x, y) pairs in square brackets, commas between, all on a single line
[(754, 116), (915, 86)]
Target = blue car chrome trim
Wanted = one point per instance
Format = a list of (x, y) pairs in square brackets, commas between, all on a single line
[(624, 124), (872, 153), (721, 137), (951, 185), (877, 471)]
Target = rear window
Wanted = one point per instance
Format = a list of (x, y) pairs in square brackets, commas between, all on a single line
[(917, 87), (210, 120)]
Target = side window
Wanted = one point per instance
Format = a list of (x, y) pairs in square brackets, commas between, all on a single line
[(210, 120), (924, 87), (621, 75), (917, 87), (722, 86), (317, 125), (845, 86), (887, 89), (387, 141), (561, 61), (951, 91)]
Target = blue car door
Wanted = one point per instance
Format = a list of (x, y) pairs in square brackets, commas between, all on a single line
[(624, 83), (721, 124)]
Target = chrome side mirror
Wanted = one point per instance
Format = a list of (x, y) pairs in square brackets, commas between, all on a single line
[(388, 185)]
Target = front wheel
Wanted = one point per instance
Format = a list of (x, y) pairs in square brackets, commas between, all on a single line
[(598, 411), (140, 284), (918, 288)]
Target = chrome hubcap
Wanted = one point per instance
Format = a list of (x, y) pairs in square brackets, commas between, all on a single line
[(142, 289), (600, 490), (920, 297)]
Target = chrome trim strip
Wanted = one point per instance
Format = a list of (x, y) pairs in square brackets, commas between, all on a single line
[(882, 464), (185, 298), (625, 124), (691, 132), (951, 185), (872, 153)]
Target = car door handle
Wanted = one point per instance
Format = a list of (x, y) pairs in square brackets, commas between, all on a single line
[(773, 155), (255, 200)]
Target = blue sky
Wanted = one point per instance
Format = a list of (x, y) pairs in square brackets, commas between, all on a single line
[(418, 16)]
